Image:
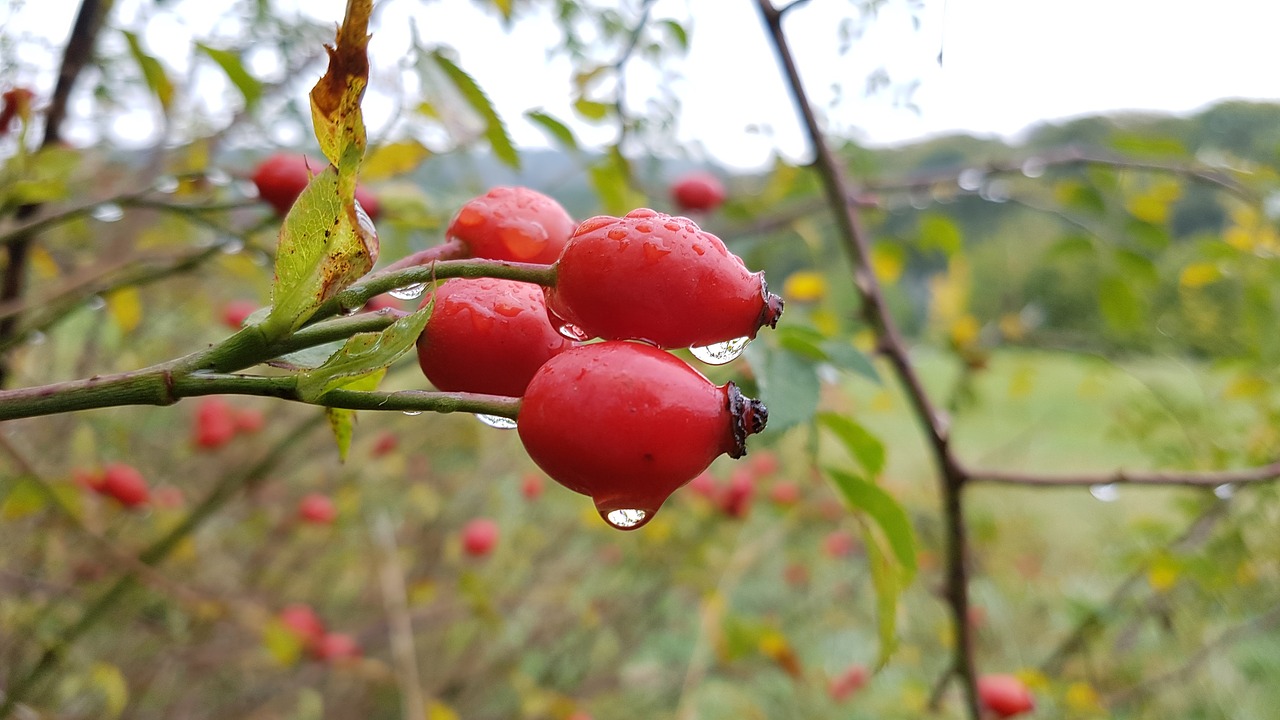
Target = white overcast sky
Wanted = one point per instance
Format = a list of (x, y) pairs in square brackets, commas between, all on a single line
[(1007, 64)]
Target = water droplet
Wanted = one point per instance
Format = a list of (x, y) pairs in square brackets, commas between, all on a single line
[(721, 352), (96, 302), (573, 332), (232, 247), (625, 519), (995, 191), (970, 179), (107, 212), (409, 292), (261, 258), (1225, 491), (217, 176), (167, 184), (497, 421), (411, 413), (1033, 167), (1105, 493), (36, 338)]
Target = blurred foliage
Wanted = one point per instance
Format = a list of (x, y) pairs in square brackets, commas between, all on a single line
[(1099, 296)]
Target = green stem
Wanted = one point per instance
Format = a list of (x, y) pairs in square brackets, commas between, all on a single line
[(228, 488)]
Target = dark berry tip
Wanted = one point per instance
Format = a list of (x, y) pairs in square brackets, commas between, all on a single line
[(772, 307), (748, 416)]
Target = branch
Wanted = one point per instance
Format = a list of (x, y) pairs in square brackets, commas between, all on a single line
[(892, 345), (1212, 478)]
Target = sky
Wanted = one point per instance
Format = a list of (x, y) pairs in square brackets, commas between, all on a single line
[(1006, 64)]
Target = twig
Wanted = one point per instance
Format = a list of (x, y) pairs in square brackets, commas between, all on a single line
[(399, 623), (1212, 478)]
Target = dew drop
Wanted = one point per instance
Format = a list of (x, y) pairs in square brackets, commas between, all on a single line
[(970, 179), (36, 338), (1033, 167), (573, 332), (1224, 491), (721, 352), (167, 184), (409, 292), (232, 247), (996, 191), (96, 302), (411, 413), (625, 519), (107, 212), (217, 176), (1105, 493), (497, 421)]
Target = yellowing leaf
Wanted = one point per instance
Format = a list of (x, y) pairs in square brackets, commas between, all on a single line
[(964, 331), (45, 267), (1081, 698), (25, 498), (1199, 274), (887, 261), (335, 99), (394, 159), (804, 286), (1163, 574), (437, 710), (125, 308), (108, 680), (950, 292), (1245, 385), (281, 643)]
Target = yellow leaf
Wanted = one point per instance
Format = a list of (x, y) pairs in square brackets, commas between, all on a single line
[(887, 262), (825, 322), (26, 498), (1082, 698), (1022, 382), (1240, 238), (804, 286), (1012, 327), (45, 267), (964, 331), (393, 159), (1199, 274), (1163, 574), (950, 292), (1246, 385), (283, 644), (1034, 679), (437, 710), (108, 679), (125, 307)]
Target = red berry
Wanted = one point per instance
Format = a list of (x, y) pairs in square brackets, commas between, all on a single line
[(236, 312), (627, 424), (333, 647), (14, 103), (215, 423), (853, 679), (248, 420), (282, 177), (487, 336), (513, 223), (125, 484), (704, 484), (736, 500), (698, 190), (317, 509), (839, 543), (385, 444), (784, 493), (479, 537), (531, 486), (658, 278), (1005, 695), (380, 302), (764, 463), (303, 622)]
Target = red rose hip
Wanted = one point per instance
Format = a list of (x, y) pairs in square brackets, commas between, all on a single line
[(698, 191), (479, 537), (281, 178), (658, 278), (1005, 695), (488, 336), (627, 424), (513, 223)]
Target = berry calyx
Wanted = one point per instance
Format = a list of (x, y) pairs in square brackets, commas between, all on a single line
[(1005, 695), (487, 335), (627, 424), (698, 191), (317, 509), (512, 223), (281, 178), (658, 278), (479, 537)]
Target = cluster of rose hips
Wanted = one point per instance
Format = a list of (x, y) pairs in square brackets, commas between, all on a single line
[(620, 420), (319, 643), (218, 423)]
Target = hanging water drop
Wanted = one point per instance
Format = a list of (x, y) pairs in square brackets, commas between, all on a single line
[(497, 421), (721, 352), (217, 176), (409, 292), (1033, 167), (573, 332), (626, 519), (411, 413), (1224, 491), (97, 302), (1105, 493), (107, 212), (232, 247), (167, 184), (971, 179)]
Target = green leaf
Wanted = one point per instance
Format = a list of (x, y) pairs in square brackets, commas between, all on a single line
[(845, 356), (249, 86), (322, 249), (789, 384), (1072, 248), (862, 445), (362, 354), (495, 131), (677, 32), (152, 71), (1079, 196), (886, 582), (939, 232), (342, 420), (802, 340), (553, 127), (591, 110), (1120, 305), (24, 497), (611, 178), (887, 513)]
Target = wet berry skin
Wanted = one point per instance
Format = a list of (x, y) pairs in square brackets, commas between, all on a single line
[(627, 424), (1005, 695), (698, 191), (487, 335), (516, 224), (281, 178), (658, 278)]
